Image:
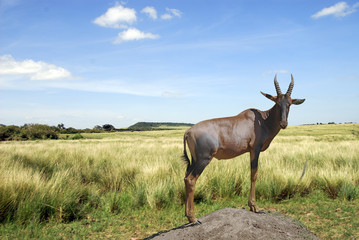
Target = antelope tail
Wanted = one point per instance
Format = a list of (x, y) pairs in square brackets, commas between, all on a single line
[(185, 155)]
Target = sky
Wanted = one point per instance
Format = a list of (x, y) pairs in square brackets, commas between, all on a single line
[(94, 62)]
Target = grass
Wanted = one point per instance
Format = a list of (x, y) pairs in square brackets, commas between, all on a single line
[(130, 184)]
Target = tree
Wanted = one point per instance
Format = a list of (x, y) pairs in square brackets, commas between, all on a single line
[(97, 127), (108, 127)]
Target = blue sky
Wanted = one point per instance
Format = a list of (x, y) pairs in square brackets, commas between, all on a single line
[(86, 63)]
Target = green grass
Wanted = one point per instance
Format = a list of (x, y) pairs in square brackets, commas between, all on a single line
[(130, 184)]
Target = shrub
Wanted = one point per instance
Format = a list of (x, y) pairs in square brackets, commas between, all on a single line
[(9, 132), (77, 136), (38, 131)]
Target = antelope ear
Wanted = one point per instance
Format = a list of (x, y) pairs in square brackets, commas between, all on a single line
[(269, 96), (297, 101)]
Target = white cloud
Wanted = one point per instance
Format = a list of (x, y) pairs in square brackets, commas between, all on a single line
[(35, 70), (117, 17), (171, 12), (134, 34), (340, 9), (166, 16), (175, 12), (122, 17), (150, 11)]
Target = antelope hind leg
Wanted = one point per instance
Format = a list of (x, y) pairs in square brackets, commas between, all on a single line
[(190, 182)]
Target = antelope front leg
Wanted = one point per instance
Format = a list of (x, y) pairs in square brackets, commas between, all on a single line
[(254, 172), (252, 194)]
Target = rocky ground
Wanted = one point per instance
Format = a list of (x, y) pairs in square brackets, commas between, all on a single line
[(230, 223)]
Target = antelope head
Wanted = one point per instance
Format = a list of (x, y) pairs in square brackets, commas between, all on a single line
[(283, 101)]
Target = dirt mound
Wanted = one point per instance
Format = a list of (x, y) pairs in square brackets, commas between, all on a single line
[(230, 223)]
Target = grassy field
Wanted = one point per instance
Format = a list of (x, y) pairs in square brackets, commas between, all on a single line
[(130, 184)]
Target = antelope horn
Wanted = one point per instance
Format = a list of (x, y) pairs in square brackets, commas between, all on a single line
[(291, 85), (277, 88)]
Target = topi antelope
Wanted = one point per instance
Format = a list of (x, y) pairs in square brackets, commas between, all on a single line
[(223, 138)]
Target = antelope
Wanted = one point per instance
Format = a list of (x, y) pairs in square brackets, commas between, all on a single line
[(223, 138)]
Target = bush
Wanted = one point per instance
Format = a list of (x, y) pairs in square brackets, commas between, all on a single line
[(71, 130), (9, 132), (38, 131), (77, 136), (28, 131)]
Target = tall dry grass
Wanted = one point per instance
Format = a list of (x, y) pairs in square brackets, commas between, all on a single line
[(65, 180)]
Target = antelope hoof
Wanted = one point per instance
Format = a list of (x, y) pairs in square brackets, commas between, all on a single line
[(193, 220), (256, 210), (198, 222), (253, 209)]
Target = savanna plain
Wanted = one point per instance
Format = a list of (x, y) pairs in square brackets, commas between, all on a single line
[(125, 185)]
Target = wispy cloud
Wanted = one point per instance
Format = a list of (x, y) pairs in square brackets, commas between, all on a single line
[(35, 70), (340, 9), (117, 17), (170, 94), (174, 12), (21, 75), (171, 12), (150, 89), (150, 11), (134, 34)]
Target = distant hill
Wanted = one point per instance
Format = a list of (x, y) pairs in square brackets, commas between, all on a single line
[(148, 126)]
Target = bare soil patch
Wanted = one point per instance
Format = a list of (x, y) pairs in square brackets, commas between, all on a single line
[(230, 223)]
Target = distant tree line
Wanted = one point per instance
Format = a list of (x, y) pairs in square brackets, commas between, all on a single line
[(329, 123), (27, 132), (42, 131), (148, 126)]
